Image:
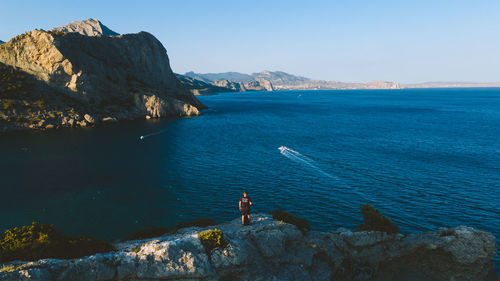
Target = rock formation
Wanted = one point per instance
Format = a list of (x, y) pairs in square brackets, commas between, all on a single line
[(88, 27), (198, 87), (235, 86), (273, 250), (123, 76)]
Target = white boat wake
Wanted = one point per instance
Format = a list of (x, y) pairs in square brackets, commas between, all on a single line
[(150, 135), (302, 159)]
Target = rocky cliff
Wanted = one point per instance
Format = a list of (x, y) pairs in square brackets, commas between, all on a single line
[(273, 250), (108, 77), (199, 88), (88, 27)]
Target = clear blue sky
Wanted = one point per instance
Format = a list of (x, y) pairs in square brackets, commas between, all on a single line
[(404, 41)]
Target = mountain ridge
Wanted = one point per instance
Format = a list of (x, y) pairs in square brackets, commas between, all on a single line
[(280, 80)]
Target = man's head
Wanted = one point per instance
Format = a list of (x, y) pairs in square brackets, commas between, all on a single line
[(245, 193)]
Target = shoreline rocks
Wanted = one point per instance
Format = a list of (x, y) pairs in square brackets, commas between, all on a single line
[(273, 250)]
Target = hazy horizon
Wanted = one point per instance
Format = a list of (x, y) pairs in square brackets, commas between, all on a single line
[(359, 41)]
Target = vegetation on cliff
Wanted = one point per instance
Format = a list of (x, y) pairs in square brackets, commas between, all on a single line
[(373, 220), (37, 241), (213, 239)]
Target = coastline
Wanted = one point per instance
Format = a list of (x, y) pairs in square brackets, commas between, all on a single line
[(272, 249)]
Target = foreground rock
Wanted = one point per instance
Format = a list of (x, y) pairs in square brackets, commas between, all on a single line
[(271, 250), (98, 72)]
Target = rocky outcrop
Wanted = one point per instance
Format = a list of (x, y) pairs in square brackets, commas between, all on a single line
[(231, 76), (273, 250), (88, 27), (234, 86), (126, 76), (199, 88)]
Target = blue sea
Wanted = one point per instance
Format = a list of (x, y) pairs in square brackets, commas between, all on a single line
[(427, 158)]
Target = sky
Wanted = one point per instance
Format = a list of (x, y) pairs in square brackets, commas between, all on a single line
[(349, 41)]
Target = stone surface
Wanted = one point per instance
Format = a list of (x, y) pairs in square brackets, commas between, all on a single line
[(76, 74), (272, 250), (88, 27), (89, 118)]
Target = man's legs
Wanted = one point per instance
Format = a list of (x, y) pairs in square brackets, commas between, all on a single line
[(242, 219), (248, 218)]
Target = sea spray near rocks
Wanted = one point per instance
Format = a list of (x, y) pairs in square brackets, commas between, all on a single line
[(274, 250)]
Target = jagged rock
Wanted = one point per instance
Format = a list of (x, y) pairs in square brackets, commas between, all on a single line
[(94, 74), (82, 123), (109, 119), (234, 86), (89, 118), (88, 27), (272, 250), (198, 87)]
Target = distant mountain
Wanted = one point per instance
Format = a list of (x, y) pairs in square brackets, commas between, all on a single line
[(451, 85), (1, 42), (88, 27), (280, 78), (198, 87), (231, 76)]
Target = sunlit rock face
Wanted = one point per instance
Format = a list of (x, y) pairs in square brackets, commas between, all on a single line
[(273, 250), (111, 73)]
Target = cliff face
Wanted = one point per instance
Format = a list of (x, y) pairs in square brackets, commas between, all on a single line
[(199, 88), (88, 27), (273, 250), (125, 76)]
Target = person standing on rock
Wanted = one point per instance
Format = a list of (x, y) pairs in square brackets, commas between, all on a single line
[(245, 203)]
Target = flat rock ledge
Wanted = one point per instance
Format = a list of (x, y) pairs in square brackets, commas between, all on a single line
[(273, 250)]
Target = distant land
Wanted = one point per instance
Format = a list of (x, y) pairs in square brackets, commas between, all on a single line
[(451, 84), (279, 80)]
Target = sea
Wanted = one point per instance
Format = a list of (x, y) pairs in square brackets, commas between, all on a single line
[(426, 158)]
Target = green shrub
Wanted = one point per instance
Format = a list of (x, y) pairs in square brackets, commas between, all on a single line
[(284, 216), (212, 239), (373, 220), (38, 241), (203, 222), (150, 232)]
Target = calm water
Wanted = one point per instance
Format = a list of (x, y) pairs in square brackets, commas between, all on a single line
[(427, 158)]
